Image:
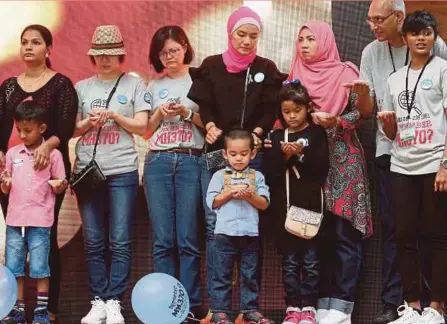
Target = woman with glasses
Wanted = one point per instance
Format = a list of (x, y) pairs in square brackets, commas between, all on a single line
[(172, 169)]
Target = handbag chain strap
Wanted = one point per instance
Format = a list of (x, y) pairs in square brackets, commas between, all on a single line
[(286, 139), (107, 107)]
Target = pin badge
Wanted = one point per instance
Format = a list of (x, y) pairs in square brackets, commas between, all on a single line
[(122, 99), (259, 77), (163, 93)]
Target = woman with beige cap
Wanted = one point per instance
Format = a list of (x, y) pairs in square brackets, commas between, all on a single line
[(112, 104)]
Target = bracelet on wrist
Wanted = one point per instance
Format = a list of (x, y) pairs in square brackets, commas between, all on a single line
[(189, 117)]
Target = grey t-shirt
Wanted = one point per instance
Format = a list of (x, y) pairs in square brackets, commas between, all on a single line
[(376, 66), (422, 153), (173, 132), (116, 152)]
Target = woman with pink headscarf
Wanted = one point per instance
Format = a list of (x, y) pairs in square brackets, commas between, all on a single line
[(236, 89), (348, 209)]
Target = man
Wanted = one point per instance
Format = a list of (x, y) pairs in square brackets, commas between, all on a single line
[(380, 59)]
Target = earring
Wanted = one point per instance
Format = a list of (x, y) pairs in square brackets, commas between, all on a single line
[(46, 55)]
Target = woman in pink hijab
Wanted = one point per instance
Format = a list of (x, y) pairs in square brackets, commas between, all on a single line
[(236, 89), (348, 208)]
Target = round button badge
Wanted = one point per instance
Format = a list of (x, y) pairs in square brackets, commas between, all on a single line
[(426, 84), (259, 77), (122, 99), (163, 93)]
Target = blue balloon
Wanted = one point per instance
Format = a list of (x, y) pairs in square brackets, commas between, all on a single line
[(158, 298), (8, 291)]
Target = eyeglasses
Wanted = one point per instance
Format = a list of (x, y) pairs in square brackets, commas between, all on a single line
[(171, 52), (377, 21)]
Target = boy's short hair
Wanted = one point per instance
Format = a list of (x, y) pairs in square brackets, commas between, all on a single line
[(419, 20), (30, 111), (238, 133)]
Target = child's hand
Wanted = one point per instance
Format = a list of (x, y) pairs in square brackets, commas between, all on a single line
[(245, 194), (267, 143), (387, 117), (59, 186), (6, 181), (291, 148)]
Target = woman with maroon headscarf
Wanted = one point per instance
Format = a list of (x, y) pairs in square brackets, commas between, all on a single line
[(348, 209), (225, 84)]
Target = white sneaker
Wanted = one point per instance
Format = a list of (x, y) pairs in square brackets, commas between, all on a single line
[(113, 311), (97, 314), (407, 315), (336, 317), (321, 313), (431, 316)]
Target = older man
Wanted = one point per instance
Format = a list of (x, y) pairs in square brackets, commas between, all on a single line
[(380, 59)]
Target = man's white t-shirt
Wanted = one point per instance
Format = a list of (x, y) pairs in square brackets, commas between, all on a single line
[(427, 124), (375, 68)]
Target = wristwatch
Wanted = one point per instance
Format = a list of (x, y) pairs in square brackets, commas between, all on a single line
[(444, 162)]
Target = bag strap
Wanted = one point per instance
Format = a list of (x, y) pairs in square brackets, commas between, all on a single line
[(286, 137), (244, 104), (107, 107)]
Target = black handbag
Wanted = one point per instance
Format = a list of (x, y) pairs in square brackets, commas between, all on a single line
[(91, 176), (215, 159)]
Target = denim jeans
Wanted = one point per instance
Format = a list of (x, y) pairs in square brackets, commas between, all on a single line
[(172, 186), (300, 275), (210, 216), (340, 250), (36, 241), (117, 199), (228, 249), (391, 285), (55, 256)]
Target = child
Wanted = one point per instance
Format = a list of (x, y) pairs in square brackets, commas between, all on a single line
[(236, 193), (31, 209), (306, 156), (414, 119)]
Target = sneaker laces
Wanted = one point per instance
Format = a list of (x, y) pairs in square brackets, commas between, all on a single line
[(96, 302), (256, 318), (429, 313), (220, 318), (114, 306), (405, 312)]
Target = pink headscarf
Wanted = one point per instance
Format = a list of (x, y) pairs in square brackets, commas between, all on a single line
[(234, 61), (324, 76)]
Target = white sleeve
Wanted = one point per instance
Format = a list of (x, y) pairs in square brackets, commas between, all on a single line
[(366, 70), (388, 103)]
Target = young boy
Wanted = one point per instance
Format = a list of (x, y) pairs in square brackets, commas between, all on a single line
[(414, 119), (31, 209), (236, 193)]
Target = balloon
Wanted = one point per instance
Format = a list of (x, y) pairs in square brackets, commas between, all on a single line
[(158, 298), (8, 291)]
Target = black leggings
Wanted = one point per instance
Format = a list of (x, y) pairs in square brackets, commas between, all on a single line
[(421, 214)]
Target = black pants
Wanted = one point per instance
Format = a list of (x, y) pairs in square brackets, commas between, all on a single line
[(55, 258), (420, 215)]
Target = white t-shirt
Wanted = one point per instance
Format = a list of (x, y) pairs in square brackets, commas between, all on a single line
[(173, 132), (116, 152), (423, 153), (376, 66)]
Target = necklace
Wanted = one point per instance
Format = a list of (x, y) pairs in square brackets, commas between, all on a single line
[(37, 80)]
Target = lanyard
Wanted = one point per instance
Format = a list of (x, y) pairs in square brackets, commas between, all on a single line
[(413, 95), (392, 57)]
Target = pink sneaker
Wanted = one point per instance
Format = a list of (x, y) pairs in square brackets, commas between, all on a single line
[(293, 316), (308, 316)]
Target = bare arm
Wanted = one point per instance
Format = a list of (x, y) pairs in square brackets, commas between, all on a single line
[(221, 199), (135, 125), (259, 202)]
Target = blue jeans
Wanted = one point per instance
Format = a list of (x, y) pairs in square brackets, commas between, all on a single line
[(117, 199), (300, 275), (172, 185), (210, 215), (228, 249), (391, 285), (341, 257), (37, 242)]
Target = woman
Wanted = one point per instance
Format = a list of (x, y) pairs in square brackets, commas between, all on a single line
[(172, 169), (126, 114), (54, 92), (348, 217), (219, 87)]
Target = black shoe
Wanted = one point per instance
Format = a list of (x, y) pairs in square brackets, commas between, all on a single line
[(386, 315), (15, 316)]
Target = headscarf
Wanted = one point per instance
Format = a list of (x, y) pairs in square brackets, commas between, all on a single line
[(324, 75), (234, 61)]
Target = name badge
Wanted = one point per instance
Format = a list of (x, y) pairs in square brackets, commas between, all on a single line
[(17, 162), (408, 133)]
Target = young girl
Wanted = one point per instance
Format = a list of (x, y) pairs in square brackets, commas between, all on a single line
[(306, 152), (414, 119)]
